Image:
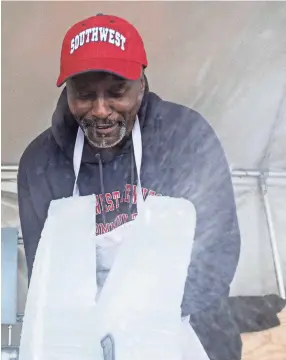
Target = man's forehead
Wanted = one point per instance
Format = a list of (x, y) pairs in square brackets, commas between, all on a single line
[(99, 77)]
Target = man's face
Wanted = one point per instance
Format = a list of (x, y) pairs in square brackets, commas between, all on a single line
[(105, 106)]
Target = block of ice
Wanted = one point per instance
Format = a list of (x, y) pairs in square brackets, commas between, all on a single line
[(60, 308), (139, 304)]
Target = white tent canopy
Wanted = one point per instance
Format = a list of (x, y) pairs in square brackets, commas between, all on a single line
[(225, 59)]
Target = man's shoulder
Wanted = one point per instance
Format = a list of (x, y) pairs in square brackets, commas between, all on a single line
[(184, 123), (176, 116), (38, 150), (181, 115)]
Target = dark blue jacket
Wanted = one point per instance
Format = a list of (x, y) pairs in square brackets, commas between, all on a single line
[(182, 157)]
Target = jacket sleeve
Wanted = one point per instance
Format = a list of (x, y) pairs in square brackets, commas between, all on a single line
[(30, 225), (204, 179)]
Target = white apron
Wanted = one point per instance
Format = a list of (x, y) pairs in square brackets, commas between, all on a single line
[(137, 315)]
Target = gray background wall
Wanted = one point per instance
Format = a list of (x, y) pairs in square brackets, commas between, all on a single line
[(226, 59)]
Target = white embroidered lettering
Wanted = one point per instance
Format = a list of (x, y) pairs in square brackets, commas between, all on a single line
[(81, 38), (103, 33), (123, 40), (98, 34), (76, 42), (94, 34), (88, 32), (72, 46), (111, 36), (117, 38)]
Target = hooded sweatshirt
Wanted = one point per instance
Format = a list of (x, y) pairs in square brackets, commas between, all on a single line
[(181, 157)]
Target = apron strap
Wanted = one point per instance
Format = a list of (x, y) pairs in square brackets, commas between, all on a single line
[(77, 155), (137, 144)]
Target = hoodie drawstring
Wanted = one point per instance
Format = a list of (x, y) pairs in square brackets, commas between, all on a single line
[(101, 185), (132, 180)]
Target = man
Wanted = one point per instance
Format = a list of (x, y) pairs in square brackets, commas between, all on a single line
[(102, 65)]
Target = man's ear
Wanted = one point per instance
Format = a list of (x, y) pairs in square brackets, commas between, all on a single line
[(142, 82), (69, 85)]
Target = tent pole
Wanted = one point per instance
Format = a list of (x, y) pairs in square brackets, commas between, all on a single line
[(275, 252), (12, 168), (11, 173), (255, 173)]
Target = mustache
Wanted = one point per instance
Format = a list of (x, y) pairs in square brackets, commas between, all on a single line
[(94, 122)]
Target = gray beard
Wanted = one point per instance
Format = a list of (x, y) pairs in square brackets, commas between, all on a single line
[(103, 144)]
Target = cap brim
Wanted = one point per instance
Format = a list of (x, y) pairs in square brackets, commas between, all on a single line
[(126, 69)]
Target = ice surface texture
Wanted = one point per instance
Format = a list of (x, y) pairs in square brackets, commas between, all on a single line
[(140, 301)]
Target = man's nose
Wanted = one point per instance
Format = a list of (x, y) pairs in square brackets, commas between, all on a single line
[(101, 108)]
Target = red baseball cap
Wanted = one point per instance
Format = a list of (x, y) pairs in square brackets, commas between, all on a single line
[(102, 43)]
